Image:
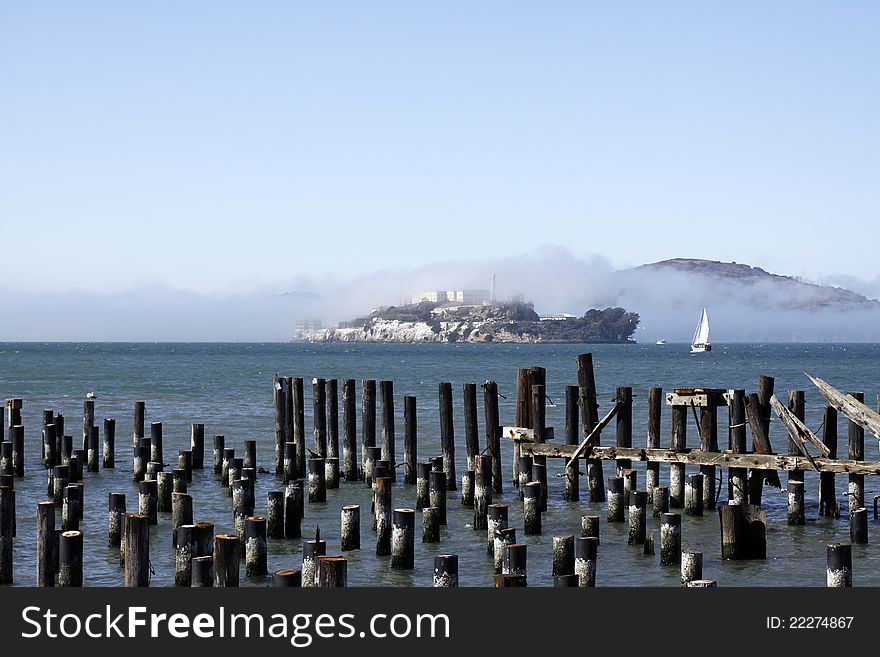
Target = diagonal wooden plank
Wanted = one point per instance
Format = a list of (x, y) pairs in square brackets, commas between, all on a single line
[(850, 407), (795, 429), (586, 446)]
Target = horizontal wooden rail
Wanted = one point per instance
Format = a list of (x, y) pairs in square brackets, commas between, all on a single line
[(725, 459)]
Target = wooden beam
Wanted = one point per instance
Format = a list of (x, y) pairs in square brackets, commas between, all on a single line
[(585, 448), (724, 459), (797, 429), (849, 406)]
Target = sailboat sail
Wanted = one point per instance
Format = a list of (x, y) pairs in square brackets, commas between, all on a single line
[(701, 334)]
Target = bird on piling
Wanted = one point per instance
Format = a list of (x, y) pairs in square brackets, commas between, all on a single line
[(91, 395)]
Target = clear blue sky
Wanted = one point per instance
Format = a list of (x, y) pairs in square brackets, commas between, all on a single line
[(205, 145)]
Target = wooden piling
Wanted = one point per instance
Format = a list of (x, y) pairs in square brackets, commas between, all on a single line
[(670, 539), (523, 411), (164, 488), (678, 444), (493, 432), (139, 462), (45, 544), (563, 555), (430, 524), (858, 526), (156, 442), (856, 449), (281, 395), (317, 489), (446, 571), (532, 508), (219, 450), (289, 462), (586, 549), (383, 516), (571, 491), (88, 421), (148, 500), (242, 507), (197, 445), (138, 423), (437, 493), (539, 428), (293, 504), (183, 555), (233, 472), (256, 559), (638, 517), (109, 444), (297, 409), (447, 434), (691, 566), (70, 508), (386, 403), (525, 472), (839, 565), (615, 499), (708, 443), (589, 409), (590, 526), (311, 551), (827, 493), (796, 406), (738, 492), (16, 436), (796, 503), (275, 514), (623, 424), (350, 528), (319, 415), (50, 458), (137, 550), (7, 522), (287, 578), (693, 495), (743, 531), (514, 560), (368, 423), (115, 513), (467, 488), (202, 573), (503, 538), (423, 473), (181, 513), (496, 520), (349, 431), (227, 560), (331, 572), (372, 456), (93, 457), (565, 581), (153, 469), (403, 539), (471, 438), (655, 414), (70, 559), (482, 490)]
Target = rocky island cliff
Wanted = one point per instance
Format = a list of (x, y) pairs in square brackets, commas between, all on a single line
[(428, 322)]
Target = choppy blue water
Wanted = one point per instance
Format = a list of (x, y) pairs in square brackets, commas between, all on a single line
[(229, 388)]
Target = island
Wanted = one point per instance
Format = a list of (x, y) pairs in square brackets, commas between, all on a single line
[(509, 322)]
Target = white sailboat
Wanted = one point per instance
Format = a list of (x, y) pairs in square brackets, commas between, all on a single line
[(701, 343)]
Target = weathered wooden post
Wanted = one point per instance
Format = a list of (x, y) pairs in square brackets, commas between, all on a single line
[(349, 431), (467, 488), (493, 432), (109, 444), (373, 455), (670, 539), (203, 541), (7, 522), (571, 492), (796, 406), (566, 581), (297, 409), (137, 550), (115, 513), (203, 571), (317, 490), (383, 515), (156, 442), (514, 560), (430, 524), (164, 488), (638, 517), (709, 443), (403, 539), (311, 551), (437, 493), (563, 555), (423, 473), (51, 457), (350, 528), (138, 424), (368, 424), (181, 513), (503, 538), (294, 503), (590, 526), (93, 451), (471, 439), (287, 578), (183, 555), (691, 566), (178, 481), (233, 472), (217, 453), (532, 508), (678, 444), (796, 503), (839, 565), (615, 499), (16, 436), (858, 526), (693, 495), (743, 531), (630, 482), (275, 514), (289, 462), (60, 480), (655, 414), (256, 558), (410, 440), (827, 494), (496, 520), (623, 424), (281, 395), (153, 469), (386, 403), (586, 550), (738, 490), (197, 445), (242, 506), (70, 559), (139, 462), (446, 571), (447, 434), (70, 508), (319, 415), (88, 421), (45, 544), (856, 449), (227, 560), (539, 428), (331, 572), (148, 500), (523, 417), (482, 490), (525, 472), (589, 419)]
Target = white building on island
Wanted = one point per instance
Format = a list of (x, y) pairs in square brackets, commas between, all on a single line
[(453, 296)]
